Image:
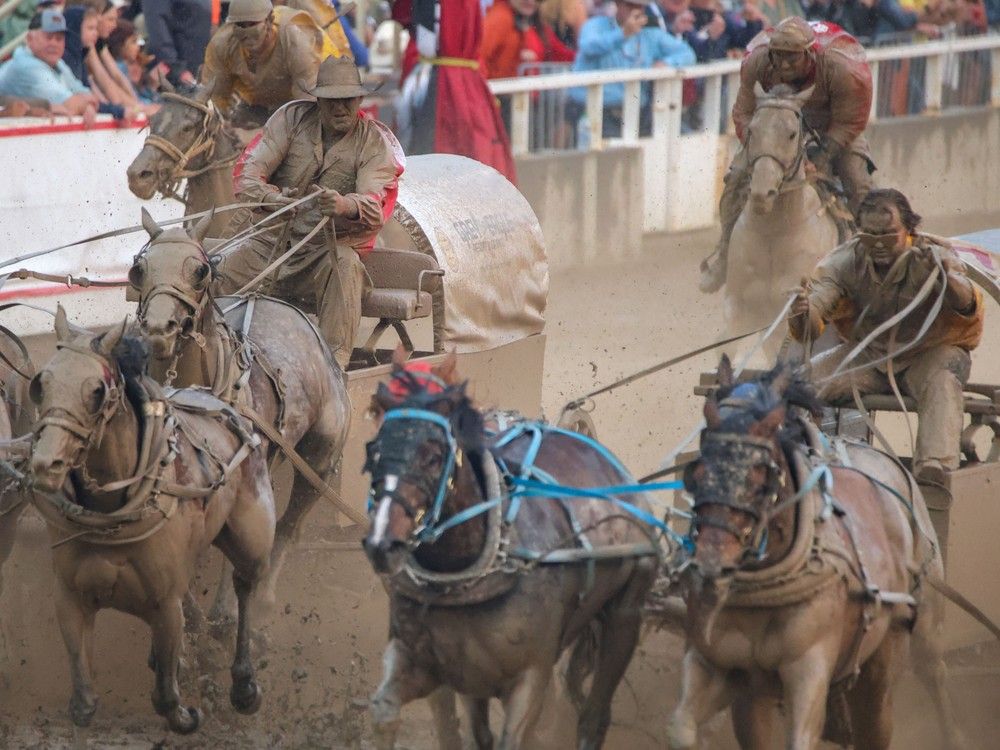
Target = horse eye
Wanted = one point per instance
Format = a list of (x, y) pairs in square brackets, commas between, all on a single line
[(136, 274), (791, 136)]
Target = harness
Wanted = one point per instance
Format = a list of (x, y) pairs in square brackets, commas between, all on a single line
[(150, 499), (212, 125), (788, 171), (502, 506)]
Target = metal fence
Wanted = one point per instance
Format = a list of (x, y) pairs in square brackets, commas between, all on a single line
[(910, 79)]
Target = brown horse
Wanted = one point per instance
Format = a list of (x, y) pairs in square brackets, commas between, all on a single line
[(805, 587), (150, 482), (487, 606), (188, 139), (262, 353)]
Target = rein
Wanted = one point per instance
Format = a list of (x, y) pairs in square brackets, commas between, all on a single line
[(212, 125), (788, 177)]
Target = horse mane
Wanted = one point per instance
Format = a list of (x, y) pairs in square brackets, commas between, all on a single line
[(752, 401), (131, 354)]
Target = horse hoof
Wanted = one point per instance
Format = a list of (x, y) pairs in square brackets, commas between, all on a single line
[(82, 713), (184, 720), (246, 697)]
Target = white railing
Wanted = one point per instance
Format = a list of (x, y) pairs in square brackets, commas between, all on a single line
[(691, 158)]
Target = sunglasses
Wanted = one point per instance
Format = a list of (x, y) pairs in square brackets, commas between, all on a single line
[(878, 241)]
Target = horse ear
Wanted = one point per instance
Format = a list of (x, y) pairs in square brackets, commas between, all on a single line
[(803, 96), (204, 93), (711, 411), (399, 356), (165, 85), (758, 91), (200, 230), (770, 424), (63, 332), (447, 370), (149, 224), (113, 337), (725, 372)]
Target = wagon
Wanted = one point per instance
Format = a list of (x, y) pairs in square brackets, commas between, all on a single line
[(966, 512), (461, 268)]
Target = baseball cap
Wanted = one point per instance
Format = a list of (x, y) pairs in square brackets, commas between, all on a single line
[(49, 20)]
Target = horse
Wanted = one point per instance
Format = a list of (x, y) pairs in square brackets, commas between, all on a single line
[(261, 354), (150, 481), (784, 228), (805, 584), (476, 605), (188, 139)]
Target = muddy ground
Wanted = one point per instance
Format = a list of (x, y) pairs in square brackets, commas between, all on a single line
[(319, 653)]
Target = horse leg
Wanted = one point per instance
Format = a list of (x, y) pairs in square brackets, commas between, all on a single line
[(245, 692), (928, 663), (753, 720), (168, 630), (8, 531), (619, 635), (870, 699), (224, 604), (442, 703), (705, 691), (522, 706), (76, 622), (478, 710), (402, 682), (805, 683)]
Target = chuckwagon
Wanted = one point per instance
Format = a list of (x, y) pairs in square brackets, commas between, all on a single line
[(966, 509)]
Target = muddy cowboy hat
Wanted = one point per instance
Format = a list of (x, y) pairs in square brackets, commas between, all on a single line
[(249, 11), (793, 34), (339, 78)]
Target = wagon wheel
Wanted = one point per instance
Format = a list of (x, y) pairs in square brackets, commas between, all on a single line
[(578, 420)]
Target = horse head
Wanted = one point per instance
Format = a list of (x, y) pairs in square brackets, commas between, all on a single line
[(181, 135), (429, 426), (76, 394), (741, 474), (775, 143), (172, 276)]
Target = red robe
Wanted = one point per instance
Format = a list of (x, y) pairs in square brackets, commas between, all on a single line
[(459, 115)]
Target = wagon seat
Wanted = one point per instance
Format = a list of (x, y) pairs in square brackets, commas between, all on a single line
[(402, 285)]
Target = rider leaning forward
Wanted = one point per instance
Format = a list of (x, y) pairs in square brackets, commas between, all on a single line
[(836, 111), (865, 282), (325, 144), (266, 56)]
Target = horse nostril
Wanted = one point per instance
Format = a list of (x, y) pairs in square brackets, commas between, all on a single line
[(171, 326), (145, 174)]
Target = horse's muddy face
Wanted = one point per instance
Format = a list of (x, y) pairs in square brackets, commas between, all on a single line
[(171, 277), (176, 123), (73, 394), (774, 144)]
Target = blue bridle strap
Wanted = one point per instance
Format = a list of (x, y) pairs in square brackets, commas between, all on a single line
[(425, 415)]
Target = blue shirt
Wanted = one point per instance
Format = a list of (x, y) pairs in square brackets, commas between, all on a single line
[(603, 46), (28, 77)]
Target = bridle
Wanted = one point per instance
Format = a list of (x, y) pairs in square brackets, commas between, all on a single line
[(87, 435), (421, 422), (730, 456), (211, 127), (788, 171)]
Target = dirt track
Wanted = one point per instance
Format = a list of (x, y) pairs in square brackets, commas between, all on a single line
[(324, 641)]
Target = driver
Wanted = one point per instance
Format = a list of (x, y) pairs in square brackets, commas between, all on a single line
[(837, 112), (866, 282), (267, 56)]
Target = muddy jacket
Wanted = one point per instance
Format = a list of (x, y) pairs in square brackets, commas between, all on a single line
[(363, 166), (285, 75), (849, 292), (325, 16), (840, 103)]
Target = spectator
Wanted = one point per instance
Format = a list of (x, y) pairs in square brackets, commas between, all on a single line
[(830, 11), (125, 47), (514, 34), (178, 32), (80, 55), (37, 70), (327, 15), (626, 42), (12, 106), (992, 12), (884, 20), (566, 17)]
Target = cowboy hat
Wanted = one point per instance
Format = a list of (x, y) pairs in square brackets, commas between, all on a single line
[(339, 78)]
